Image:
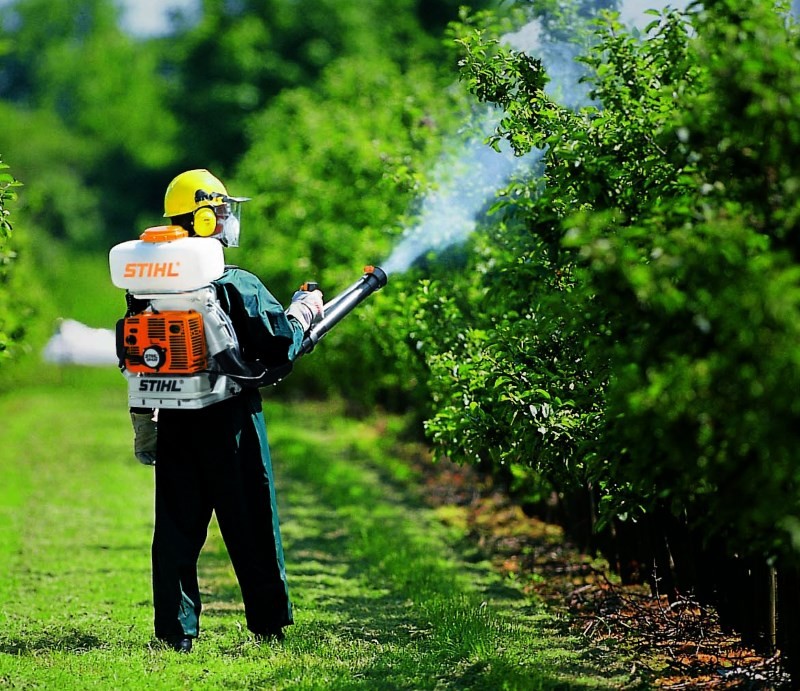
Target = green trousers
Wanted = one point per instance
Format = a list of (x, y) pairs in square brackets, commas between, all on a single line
[(216, 460)]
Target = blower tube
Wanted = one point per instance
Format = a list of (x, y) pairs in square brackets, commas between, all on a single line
[(339, 307)]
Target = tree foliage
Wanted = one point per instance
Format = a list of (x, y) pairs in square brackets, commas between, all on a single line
[(138, 110), (12, 311), (241, 55), (629, 318), (87, 121), (330, 169)]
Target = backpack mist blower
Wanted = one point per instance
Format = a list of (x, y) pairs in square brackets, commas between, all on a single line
[(179, 349)]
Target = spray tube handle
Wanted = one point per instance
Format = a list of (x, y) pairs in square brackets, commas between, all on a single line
[(341, 305), (309, 286)]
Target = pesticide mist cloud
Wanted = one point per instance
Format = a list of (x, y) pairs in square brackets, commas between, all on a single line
[(463, 182), (467, 178)]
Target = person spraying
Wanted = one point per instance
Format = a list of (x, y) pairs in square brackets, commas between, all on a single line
[(197, 340)]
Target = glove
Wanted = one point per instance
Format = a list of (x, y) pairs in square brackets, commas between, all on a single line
[(306, 307), (144, 436)]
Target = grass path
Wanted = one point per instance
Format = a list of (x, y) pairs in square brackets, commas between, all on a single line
[(382, 598)]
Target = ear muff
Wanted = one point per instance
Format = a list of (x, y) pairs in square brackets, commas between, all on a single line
[(205, 222)]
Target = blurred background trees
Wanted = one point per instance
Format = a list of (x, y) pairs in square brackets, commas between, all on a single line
[(308, 107), (99, 120)]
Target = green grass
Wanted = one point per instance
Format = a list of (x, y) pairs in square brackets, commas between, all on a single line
[(383, 598)]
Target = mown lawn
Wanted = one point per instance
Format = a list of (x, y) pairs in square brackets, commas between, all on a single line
[(383, 599)]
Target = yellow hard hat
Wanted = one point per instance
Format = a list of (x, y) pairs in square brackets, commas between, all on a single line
[(214, 214), (192, 189)]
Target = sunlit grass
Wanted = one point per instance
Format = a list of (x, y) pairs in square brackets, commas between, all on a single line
[(382, 597)]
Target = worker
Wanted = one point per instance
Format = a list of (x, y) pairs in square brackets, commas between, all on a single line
[(216, 459)]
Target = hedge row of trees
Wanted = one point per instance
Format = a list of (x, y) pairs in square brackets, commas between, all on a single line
[(624, 331), (636, 326)]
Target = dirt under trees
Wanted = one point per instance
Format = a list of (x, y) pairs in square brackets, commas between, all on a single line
[(671, 645)]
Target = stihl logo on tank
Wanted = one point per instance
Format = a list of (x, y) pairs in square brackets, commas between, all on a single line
[(152, 270), (161, 385)]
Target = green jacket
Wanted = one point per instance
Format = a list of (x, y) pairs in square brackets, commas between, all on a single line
[(265, 333)]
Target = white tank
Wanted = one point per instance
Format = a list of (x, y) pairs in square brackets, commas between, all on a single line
[(165, 259)]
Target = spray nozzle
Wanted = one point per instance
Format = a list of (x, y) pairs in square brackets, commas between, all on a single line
[(378, 273)]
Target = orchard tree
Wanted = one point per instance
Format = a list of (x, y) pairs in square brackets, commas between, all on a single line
[(76, 61), (629, 319)]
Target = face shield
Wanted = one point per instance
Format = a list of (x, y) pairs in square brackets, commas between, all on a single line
[(228, 223), (227, 212)]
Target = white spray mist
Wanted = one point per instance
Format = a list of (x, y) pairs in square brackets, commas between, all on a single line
[(463, 182), (469, 176)]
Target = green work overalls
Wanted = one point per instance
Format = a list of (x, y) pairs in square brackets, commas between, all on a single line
[(216, 459)]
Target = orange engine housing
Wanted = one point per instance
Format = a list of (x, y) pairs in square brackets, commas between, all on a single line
[(165, 343)]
